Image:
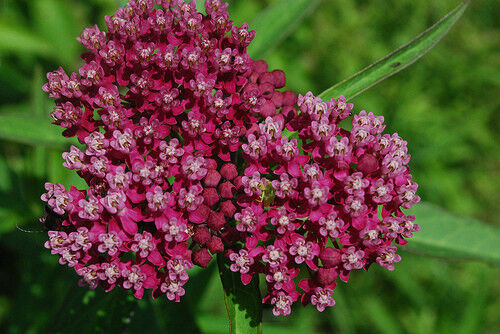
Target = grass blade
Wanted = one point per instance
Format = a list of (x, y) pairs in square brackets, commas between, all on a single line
[(396, 60), (31, 130)]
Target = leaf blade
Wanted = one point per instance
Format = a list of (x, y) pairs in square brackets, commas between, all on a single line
[(397, 60), (18, 40), (31, 130), (449, 236), (276, 22)]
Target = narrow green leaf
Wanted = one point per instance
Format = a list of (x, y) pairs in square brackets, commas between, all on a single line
[(396, 60), (21, 41), (59, 23), (275, 23), (31, 130), (449, 236), (243, 302)]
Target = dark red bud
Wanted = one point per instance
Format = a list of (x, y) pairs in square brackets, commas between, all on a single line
[(230, 236), (215, 245), (201, 235), (367, 163), (210, 164), (279, 78), (253, 77), (227, 208), (277, 99), (267, 90), (212, 178), (267, 78), (229, 171), (210, 196), (216, 220), (289, 98), (202, 213), (279, 118), (201, 257), (330, 257), (227, 190), (268, 109), (260, 66), (250, 87), (326, 276)]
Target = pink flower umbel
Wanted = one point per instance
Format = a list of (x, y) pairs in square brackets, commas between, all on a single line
[(188, 149)]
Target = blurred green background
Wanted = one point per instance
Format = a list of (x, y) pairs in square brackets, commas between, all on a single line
[(447, 106)]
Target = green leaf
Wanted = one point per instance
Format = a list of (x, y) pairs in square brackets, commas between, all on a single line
[(18, 40), (448, 236), (243, 302), (200, 6), (275, 23), (32, 130), (396, 60), (59, 23)]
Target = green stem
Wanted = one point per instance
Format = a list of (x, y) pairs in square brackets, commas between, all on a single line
[(243, 302)]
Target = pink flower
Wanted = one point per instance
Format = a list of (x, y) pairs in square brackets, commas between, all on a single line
[(189, 149)]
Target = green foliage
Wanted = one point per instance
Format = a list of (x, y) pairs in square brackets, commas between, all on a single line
[(454, 237), (28, 129), (396, 60)]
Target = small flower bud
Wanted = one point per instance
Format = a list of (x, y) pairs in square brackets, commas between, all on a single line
[(215, 245), (260, 66), (212, 178), (279, 78), (266, 78), (216, 220), (201, 257), (229, 171), (330, 257), (367, 164), (326, 276), (227, 190), (228, 208), (201, 235), (289, 98), (210, 196)]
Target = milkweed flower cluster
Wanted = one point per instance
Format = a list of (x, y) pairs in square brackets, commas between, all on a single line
[(189, 149)]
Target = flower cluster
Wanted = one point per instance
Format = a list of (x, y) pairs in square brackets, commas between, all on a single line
[(160, 109), (321, 200), (189, 149)]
